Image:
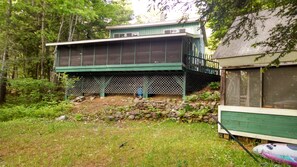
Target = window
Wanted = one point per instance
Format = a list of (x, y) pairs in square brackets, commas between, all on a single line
[(173, 31), (280, 87), (182, 30), (132, 34), (277, 88), (243, 87), (128, 34)]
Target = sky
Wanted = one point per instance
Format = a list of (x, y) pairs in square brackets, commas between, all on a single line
[(140, 7)]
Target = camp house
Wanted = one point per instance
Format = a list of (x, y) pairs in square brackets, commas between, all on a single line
[(154, 58), (255, 104)]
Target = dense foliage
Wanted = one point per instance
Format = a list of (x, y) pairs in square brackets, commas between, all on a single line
[(51, 111), (29, 91), (220, 14), (26, 26), (34, 98)]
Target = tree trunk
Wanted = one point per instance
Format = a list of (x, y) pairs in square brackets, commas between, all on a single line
[(43, 56), (3, 73), (72, 24)]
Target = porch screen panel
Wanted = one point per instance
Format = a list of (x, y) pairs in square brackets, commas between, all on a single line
[(254, 87), (100, 54), (173, 51), (280, 87), (88, 55), (158, 51), (128, 52), (233, 88), (114, 53), (243, 88), (63, 56), (142, 52), (76, 54)]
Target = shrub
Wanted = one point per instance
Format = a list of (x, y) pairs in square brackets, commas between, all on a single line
[(214, 85), (34, 111), (205, 95), (192, 98), (30, 91)]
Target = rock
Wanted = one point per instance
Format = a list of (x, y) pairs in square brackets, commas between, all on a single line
[(148, 115), (79, 99), (110, 118), (61, 118), (136, 100), (134, 113), (146, 111), (168, 100), (131, 117), (211, 121), (206, 117), (154, 115), (213, 104), (137, 117)]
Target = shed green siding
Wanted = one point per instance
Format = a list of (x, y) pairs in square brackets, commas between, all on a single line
[(192, 28), (264, 124)]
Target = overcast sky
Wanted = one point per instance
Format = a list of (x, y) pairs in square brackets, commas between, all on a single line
[(140, 7)]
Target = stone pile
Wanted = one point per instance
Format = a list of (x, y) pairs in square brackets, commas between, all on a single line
[(169, 109)]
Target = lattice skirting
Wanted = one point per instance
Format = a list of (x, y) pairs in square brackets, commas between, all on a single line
[(172, 84)]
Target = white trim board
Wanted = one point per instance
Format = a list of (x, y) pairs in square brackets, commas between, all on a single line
[(259, 136), (257, 110)]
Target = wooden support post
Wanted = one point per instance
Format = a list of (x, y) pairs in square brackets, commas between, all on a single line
[(150, 52), (81, 55), (223, 85), (94, 54), (121, 52), (165, 50), (106, 63), (145, 86), (102, 86), (134, 52), (182, 50)]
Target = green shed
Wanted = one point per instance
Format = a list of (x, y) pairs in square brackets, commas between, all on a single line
[(255, 104)]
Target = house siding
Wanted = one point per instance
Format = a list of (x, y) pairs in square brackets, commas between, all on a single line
[(192, 28)]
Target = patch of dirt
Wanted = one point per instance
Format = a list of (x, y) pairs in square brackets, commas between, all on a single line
[(96, 103)]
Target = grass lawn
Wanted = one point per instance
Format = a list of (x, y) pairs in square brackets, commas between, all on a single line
[(35, 142)]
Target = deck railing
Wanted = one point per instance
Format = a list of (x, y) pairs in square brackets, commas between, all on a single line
[(202, 64)]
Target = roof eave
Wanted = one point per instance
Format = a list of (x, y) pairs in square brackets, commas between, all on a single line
[(122, 39), (150, 24)]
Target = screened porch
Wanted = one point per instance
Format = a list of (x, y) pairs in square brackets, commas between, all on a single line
[(150, 53)]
